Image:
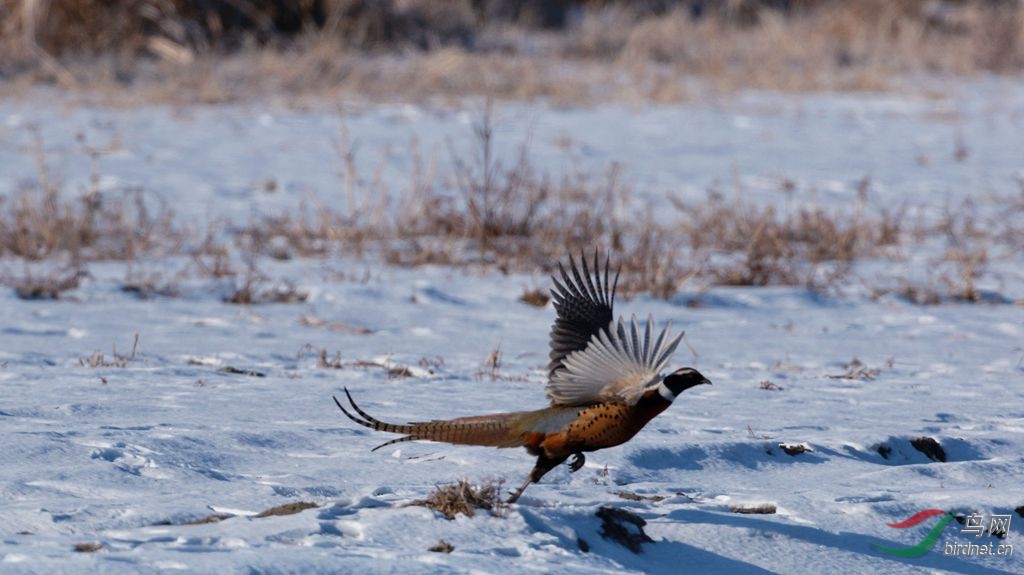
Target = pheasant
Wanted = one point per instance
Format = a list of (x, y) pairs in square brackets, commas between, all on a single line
[(604, 383)]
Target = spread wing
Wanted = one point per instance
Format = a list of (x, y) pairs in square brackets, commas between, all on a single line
[(583, 303), (615, 367)]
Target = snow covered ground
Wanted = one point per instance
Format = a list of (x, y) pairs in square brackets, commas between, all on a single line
[(123, 456)]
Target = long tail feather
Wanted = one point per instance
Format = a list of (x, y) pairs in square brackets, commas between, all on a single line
[(498, 430), (394, 441)]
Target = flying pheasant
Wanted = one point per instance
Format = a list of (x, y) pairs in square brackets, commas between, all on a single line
[(604, 383)]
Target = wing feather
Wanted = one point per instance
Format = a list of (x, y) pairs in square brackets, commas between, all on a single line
[(583, 299), (618, 364)]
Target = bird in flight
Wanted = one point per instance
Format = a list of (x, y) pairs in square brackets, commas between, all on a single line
[(605, 383)]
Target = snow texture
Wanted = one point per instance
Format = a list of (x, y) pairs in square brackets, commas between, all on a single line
[(122, 457)]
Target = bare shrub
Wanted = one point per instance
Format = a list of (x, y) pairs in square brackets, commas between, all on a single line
[(970, 264), (284, 236), (33, 286), (464, 498), (37, 224), (916, 294), (498, 205), (966, 240), (515, 219), (256, 288), (495, 214), (509, 218), (39, 221), (212, 258), (972, 238), (535, 297), (148, 285), (791, 247)]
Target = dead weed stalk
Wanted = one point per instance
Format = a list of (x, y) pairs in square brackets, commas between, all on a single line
[(462, 497)]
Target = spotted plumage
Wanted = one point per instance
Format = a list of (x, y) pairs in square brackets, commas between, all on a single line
[(604, 383)]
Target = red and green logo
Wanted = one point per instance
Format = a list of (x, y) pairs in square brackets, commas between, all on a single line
[(924, 545)]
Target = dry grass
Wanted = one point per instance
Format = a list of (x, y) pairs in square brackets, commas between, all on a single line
[(441, 546), (535, 297), (630, 496), (51, 285), (251, 291), (805, 245), (39, 221), (856, 369), (323, 360), (513, 218), (567, 52), (494, 214), (287, 509), (845, 45), (970, 242), (763, 509), (149, 286), (967, 249), (492, 365), (97, 359), (491, 368), (391, 369), (465, 498), (315, 322), (90, 547), (508, 217), (231, 370), (36, 224), (206, 520)]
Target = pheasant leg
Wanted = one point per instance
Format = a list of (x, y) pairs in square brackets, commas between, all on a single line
[(542, 466)]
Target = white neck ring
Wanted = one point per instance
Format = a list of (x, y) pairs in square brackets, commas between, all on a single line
[(665, 392)]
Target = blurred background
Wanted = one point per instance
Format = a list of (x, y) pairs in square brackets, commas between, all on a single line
[(568, 51)]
